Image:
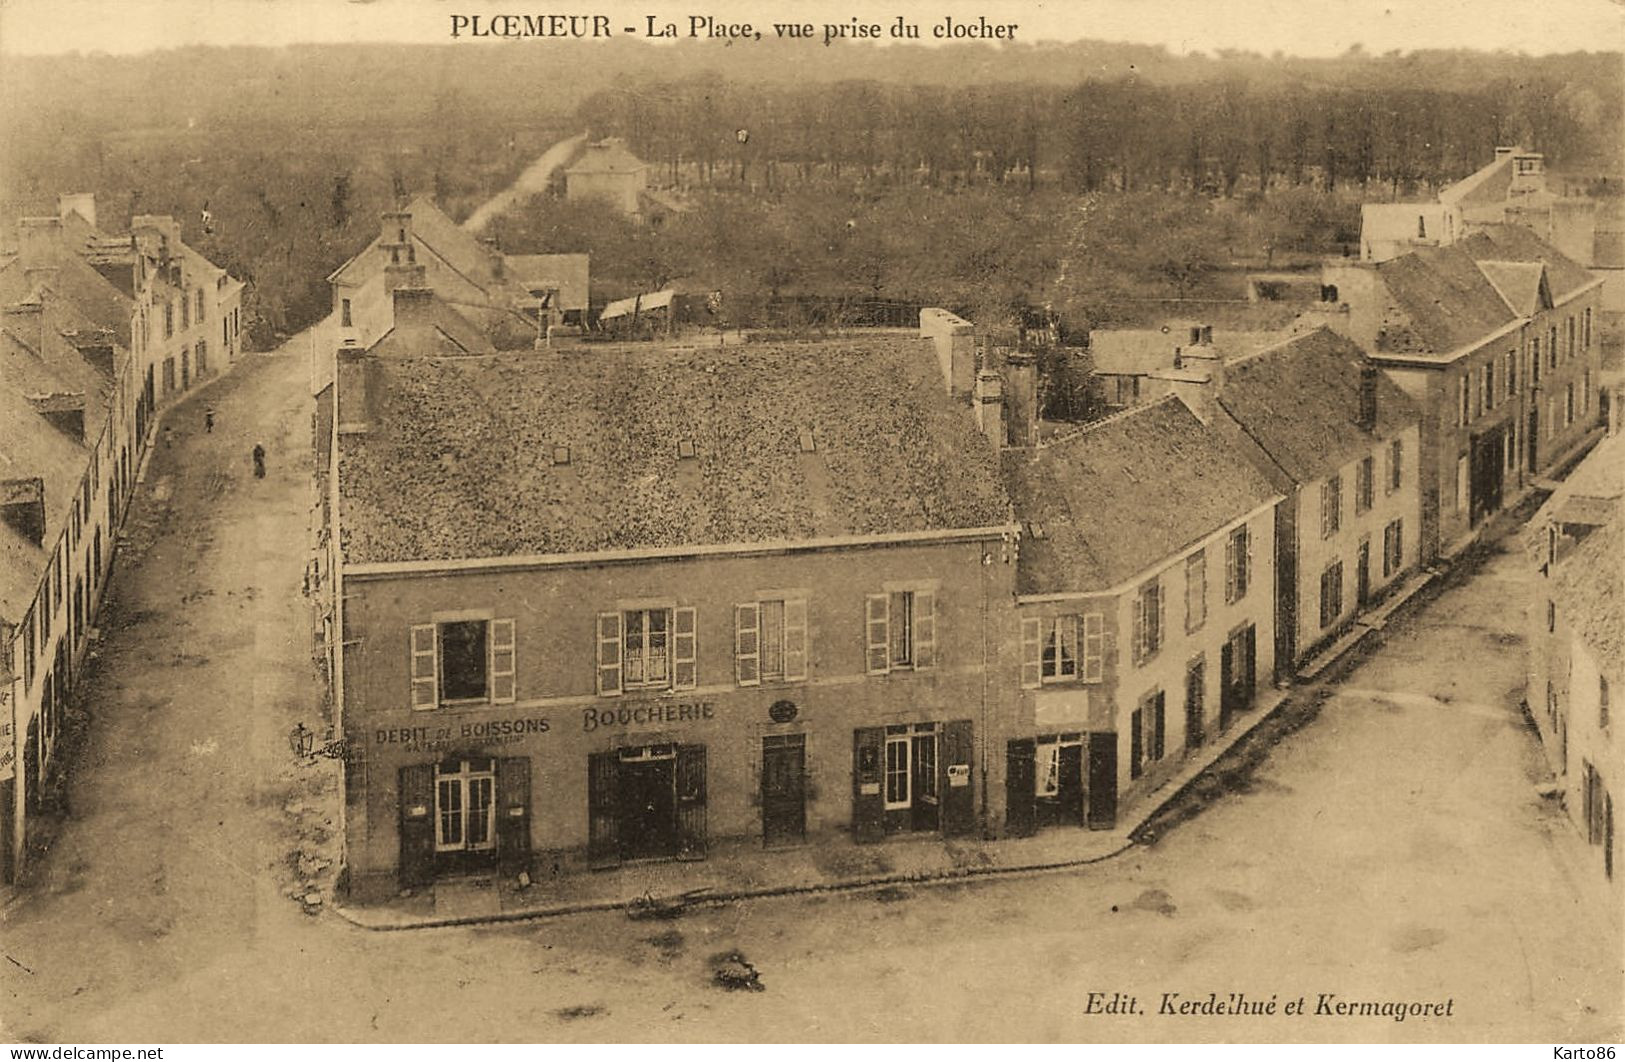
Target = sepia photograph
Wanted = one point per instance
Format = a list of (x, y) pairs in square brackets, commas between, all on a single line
[(790, 522)]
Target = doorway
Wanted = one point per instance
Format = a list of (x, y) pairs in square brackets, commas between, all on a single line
[(784, 791), (648, 802), (1533, 435), (911, 793), (1362, 574), (1195, 698), (1058, 781)]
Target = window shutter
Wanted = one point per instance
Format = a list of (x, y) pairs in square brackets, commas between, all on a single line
[(925, 628), (795, 638), (1246, 562), (1136, 739), (609, 652), (425, 667), (1094, 646), (1230, 569), (1159, 720), (685, 670), (1139, 627), (748, 644), (502, 662), (1162, 613), (878, 627), (1032, 652)]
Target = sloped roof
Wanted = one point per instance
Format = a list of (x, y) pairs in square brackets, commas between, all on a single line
[(21, 565), (1590, 583), (1522, 284), (566, 272), (458, 461), (32, 448), (77, 281), (1140, 351), (1125, 494), (653, 300), (1300, 401), (1488, 184), (1514, 243), (1445, 300), (439, 330), (606, 156)]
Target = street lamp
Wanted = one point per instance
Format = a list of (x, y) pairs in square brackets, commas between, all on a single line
[(301, 739)]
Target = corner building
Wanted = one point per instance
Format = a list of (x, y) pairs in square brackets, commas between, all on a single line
[(636, 605)]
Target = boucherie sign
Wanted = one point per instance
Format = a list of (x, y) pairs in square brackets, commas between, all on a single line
[(658, 713)]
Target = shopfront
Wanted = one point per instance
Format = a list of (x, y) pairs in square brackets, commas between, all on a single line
[(913, 777)]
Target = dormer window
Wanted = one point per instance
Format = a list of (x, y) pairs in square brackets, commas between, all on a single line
[(685, 449), (561, 455), (806, 441)]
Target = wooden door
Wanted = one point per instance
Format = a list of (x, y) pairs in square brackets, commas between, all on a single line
[(1102, 781), (417, 824), (1195, 703), (957, 785), (1071, 789), (513, 811), (603, 817), (784, 796), (1020, 801), (691, 831), (868, 797)]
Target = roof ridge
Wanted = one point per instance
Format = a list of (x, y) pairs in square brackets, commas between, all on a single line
[(1103, 421)]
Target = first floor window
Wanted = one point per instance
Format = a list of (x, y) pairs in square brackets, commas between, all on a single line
[(1146, 733), (770, 641), (1602, 699), (1148, 621), (1363, 484), (462, 661), (1237, 556), (901, 628), (1393, 548), (1062, 649), (465, 805), (646, 648), (1568, 405), (1331, 594), (1331, 506)]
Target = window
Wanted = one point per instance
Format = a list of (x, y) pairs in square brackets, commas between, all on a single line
[(897, 772), (28, 650), (1463, 388), (1059, 660), (1396, 457), (169, 318), (462, 661), (902, 630), (1461, 483), (186, 313), (1568, 404), (910, 766), (646, 648), (1488, 380), (1534, 360), (770, 641), (1238, 551), (1602, 700), (1512, 450), (1551, 617), (1147, 729), (199, 301), (1062, 649), (1393, 548), (1363, 484), (1587, 336), (1148, 621), (1585, 392), (1568, 328), (1331, 506), (1551, 346), (465, 805), (1331, 594), (1512, 373), (1421, 227), (344, 313), (1195, 590)]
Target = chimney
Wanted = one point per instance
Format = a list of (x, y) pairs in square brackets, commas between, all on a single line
[(1368, 397), (396, 227), (1503, 152), (1021, 384), (355, 397), (989, 408), (38, 240), (81, 203), (414, 308), (1199, 385), (403, 270), (22, 507), (955, 341)]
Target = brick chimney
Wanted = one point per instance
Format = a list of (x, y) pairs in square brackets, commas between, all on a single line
[(414, 308), (38, 241), (355, 391), (81, 203), (22, 507), (1367, 417), (1021, 388), (1198, 384), (954, 339), (988, 403)]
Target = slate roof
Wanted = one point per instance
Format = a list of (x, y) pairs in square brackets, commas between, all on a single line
[(1590, 586), (1124, 495), (1521, 284), (444, 331), (31, 448), (1489, 183), (21, 565), (459, 461), (1445, 301), (1300, 401), (79, 283), (1514, 243)]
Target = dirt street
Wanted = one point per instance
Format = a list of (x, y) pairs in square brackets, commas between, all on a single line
[(1392, 849)]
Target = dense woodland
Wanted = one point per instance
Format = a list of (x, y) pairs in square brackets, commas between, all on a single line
[(1077, 175)]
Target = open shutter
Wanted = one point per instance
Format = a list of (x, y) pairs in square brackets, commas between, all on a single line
[(603, 835), (691, 802), (1136, 743), (1020, 803), (795, 639), (748, 644), (1231, 585), (1139, 627), (502, 661), (609, 652), (1160, 721), (877, 623), (1094, 646), (1032, 652), (425, 667), (1246, 561), (956, 780), (685, 672), (513, 811), (868, 798), (417, 824), (925, 628)]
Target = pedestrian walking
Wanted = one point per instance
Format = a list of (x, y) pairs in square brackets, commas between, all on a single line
[(259, 461), (208, 419)]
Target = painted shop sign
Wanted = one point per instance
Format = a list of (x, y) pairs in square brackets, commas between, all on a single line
[(478, 731), (652, 714)]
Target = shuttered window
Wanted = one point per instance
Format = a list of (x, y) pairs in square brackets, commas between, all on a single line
[(649, 648), (1237, 562), (770, 641), (900, 630), (1094, 646), (1149, 621), (463, 662), (425, 667), (1331, 506), (1195, 591)]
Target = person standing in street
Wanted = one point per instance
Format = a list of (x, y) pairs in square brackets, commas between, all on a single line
[(208, 419), (259, 461)]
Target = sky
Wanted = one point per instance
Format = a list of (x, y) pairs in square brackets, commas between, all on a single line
[(1297, 27)]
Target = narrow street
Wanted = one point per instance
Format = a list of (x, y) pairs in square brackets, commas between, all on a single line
[(1392, 849)]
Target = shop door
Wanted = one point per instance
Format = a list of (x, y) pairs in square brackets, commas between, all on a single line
[(925, 810), (1102, 781), (1362, 574), (784, 795), (648, 804), (1071, 796), (1195, 703), (1020, 804), (690, 801)]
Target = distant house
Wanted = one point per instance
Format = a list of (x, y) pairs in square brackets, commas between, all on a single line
[(1133, 365), (607, 170)]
